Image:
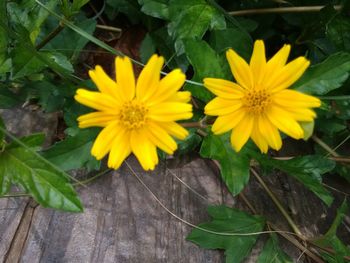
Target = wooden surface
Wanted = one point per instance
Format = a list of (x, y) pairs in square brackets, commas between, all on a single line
[(122, 222)]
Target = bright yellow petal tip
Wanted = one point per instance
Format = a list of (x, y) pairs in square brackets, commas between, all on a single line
[(259, 104), (137, 116)]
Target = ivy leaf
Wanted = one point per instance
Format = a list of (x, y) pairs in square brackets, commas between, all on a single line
[(272, 253), (74, 151), (234, 166), (326, 76), (228, 220), (307, 170), (330, 239), (206, 63), (50, 188)]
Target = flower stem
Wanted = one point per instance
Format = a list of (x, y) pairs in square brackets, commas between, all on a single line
[(325, 146), (50, 36), (278, 204), (294, 9)]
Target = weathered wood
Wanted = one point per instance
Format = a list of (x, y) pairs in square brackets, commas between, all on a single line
[(122, 222)]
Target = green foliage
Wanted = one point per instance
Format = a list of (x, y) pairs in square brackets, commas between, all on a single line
[(234, 166), (330, 239), (74, 152), (272, 253), (198, 52), (41, 62), (306, 169), (326, 76), (23, 167), (231, 221)]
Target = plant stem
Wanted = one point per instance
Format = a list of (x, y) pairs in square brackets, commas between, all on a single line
[(325, 146), (290, 238), (278, 204), (343, 97), (15, 195), (109, 28), (88, 180), (336, 159), (50, 36), (294, 9)]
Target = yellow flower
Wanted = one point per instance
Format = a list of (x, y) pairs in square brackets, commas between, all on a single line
[(137, 116), (259, 104)]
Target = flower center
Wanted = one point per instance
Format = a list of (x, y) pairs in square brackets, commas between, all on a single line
[(133, 114), (256, 101)]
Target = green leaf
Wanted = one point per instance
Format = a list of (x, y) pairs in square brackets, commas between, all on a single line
[(338, 31), (77, 4), (8, 99), (25, 61), (307, 170), (29, 15), (33, 141), (191, 19), (272, 253), (326, 76), (155, 8), (330, 239), (190, 143), (3, 33), (239, 41), (63, 41), (234, 166), (147, 48), (74, 151), (228, 220), (48, 187), (308, 128), (206, 63)]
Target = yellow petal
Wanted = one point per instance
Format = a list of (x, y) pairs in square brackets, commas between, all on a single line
[(99, 119), (276, 63), (269, 132), (240, 69), (295, 99), (148, 80), (289, 74), (225, 123), (224, 88), (168, 86), (104, 83), (160, 138), (180, 96), (170, 111), (103, 142), (125, 77), (301, 114), (96, 100), (285, 122), (120, 149), (242, 132), (174, 129), (220, 106), (259, 139), (258, 62), (144, 150)]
